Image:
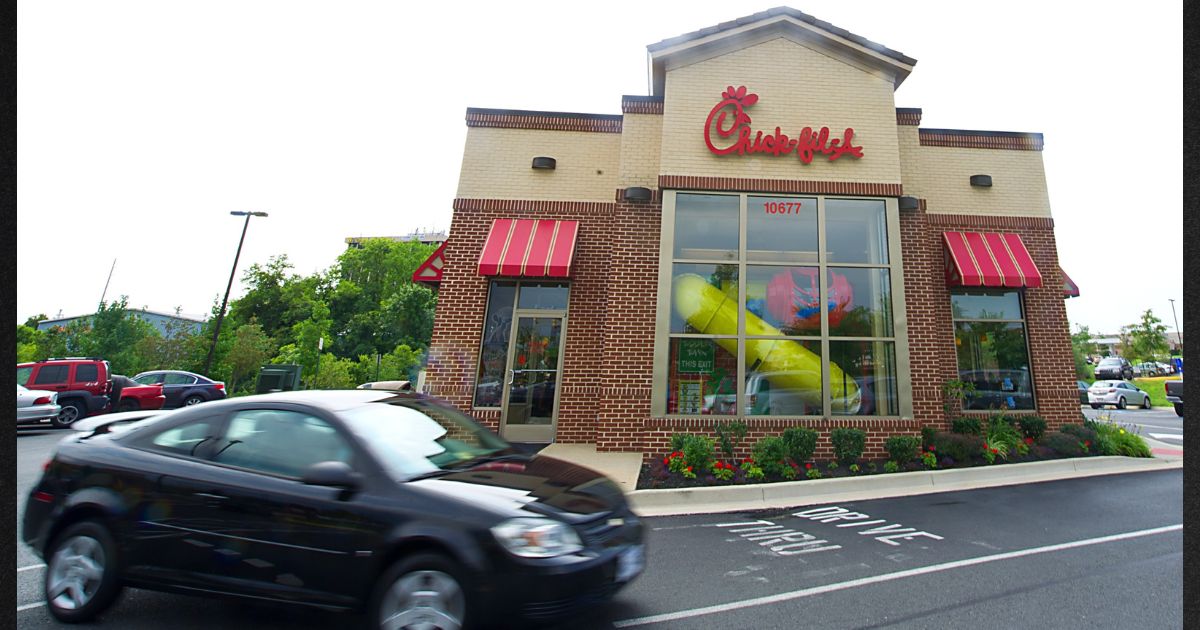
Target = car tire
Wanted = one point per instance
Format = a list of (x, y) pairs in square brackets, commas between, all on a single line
[(128, 405), (1146, 402), (1121, 403), (425, 588), (1179, 409), (71, 411), (81, 578), (194, 399), (1095, 406)]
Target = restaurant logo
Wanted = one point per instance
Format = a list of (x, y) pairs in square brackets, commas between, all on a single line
[(738, 137)]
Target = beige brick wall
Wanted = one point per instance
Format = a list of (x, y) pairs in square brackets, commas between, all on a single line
[(797, 87), (641, 150), (496, 165), (941, 176)]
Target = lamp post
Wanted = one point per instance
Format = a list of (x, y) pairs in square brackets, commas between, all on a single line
[(221, 314), (1178, 335)]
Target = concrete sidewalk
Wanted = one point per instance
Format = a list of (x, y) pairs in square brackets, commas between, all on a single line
[(625, 467)]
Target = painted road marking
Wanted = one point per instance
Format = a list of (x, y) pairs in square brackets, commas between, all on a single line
[(857, 519), (829, 588), (783, 541), (31, 567), (1166, 436), (29, 606)]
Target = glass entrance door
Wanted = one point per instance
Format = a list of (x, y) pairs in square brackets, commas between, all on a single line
[(531, 390)]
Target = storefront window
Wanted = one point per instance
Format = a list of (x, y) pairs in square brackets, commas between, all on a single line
[(497, 330), (801, 336), (702, 377), (989, 337)]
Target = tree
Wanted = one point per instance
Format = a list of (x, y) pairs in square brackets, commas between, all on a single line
[(308, 335), (27, 343), (1145, 340), (250, 349), (169, 351), (1082, 347), (398, 365), (112, 334)]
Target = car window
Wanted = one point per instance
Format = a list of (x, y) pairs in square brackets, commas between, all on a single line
[(147, 379), (23, 374), (280, 442), (185, 439), (87, 372), (178, 379), (51, 374)]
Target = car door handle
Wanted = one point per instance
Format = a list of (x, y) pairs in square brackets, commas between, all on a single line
[(206, 495)]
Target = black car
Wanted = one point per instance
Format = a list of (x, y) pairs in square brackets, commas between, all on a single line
[(1114, 368), (390, 503), (183, 389), (1083, 390)]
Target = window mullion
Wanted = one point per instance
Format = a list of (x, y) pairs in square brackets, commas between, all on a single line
[(823, 293)]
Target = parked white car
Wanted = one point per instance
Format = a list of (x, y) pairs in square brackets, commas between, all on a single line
[(1119, 393), (35, 406)]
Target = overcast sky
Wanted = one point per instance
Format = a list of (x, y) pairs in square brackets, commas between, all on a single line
[(143, 124)]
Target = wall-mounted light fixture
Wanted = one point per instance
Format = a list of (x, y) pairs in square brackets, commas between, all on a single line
[(638, 194), (544, 162), (983, 181), (909, 203)]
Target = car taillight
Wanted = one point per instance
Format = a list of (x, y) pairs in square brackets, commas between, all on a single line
[(44, 400), (1112, 391), (220, 385)]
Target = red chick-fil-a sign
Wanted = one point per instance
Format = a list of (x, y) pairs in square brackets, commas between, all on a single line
[(739, 138)]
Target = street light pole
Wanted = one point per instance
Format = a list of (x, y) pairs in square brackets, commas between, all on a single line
[(1178, 335), (221, 314)]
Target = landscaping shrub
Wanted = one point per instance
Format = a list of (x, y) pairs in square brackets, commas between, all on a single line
[(730, 435), (927, 434), (902, 448), (1001, 438), (770, 453), (1032, 426), (1114, 439), (966, 426), (800, 443), (698, 451), (1084, 433), (1063, 443), (957, 446), (677, 441), (848, 444)]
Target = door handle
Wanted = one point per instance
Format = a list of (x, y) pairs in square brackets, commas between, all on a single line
[(206, 495), (511, 374)]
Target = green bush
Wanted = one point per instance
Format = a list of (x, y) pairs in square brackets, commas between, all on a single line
[(966, 426), (1063, 443), (1082, 432), (677, 440), (1002, 436), (698, 451), (848, 444), (1032, 426), (800, 442), (1114, 439), (770, 453), (958, 446), (730, 435), (902, 448), (927, 433), (891, 466)]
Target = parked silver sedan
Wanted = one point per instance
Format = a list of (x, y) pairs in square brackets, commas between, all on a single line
[(1119, 393), (35, 406)]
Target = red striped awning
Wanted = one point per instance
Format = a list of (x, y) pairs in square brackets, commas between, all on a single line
[(530, 248), (989, 259), (1070, 289), (430, 271)]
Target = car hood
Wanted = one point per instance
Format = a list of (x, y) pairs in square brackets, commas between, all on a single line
[(521, 485)]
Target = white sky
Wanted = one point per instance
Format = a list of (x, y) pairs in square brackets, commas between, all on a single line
[(143, 124)]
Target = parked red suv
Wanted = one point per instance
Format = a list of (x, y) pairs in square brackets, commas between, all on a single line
[(82, 383)]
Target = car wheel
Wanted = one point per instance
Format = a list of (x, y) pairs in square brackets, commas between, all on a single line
[(71, 411), (1121, 403), (194, 399), (1146, 402), (128, 405), (422, 591), (1179, 409), (1095, 406), (81, 573)]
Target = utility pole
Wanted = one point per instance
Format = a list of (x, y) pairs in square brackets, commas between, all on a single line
[(114, 266), (1178, 335), (221, 314)]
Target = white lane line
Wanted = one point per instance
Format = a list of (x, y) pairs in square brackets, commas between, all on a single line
[(31, 567), (29, 606), (875, 579), (1166, 436)]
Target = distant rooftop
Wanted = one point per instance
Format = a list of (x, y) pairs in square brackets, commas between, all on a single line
[(428, 238)]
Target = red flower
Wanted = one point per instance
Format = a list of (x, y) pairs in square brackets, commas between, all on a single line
[(995, 451), (666, 461), (1029, 441), (932, 447), (808, 465), (689, 469), (1087, 442)]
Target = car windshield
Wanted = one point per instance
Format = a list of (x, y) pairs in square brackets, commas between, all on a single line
[(419, 437), (1110, 362)]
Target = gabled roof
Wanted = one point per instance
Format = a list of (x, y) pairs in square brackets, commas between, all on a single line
[(765, 25)]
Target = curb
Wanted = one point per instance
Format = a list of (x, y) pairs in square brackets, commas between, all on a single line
[(662, 502)]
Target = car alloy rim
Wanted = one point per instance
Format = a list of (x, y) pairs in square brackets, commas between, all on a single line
[(75, 573), (423, 600), (68, 414), (191, 401)]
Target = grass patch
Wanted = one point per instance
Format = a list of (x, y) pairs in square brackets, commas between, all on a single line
[(1154, 386)]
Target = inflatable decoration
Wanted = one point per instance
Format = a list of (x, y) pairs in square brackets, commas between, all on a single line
[(788, 364), (793, 295)]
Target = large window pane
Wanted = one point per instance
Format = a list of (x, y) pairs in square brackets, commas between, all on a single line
[(706, 226), (856, 231), (987, 305), (994, 358), (543, 295), (704, 299), (493, 353), (786, 380), (785, 298), (860, 302), (862, 378), (781, 229), (703, 377)]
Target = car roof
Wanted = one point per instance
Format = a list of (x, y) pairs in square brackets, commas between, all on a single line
[(327, 399)]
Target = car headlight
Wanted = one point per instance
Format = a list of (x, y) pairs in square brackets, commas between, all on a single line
[(537, 537)]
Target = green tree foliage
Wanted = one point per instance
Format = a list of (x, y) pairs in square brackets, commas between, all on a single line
[(276, 298), (398, 365), (27, 343), (250, 349), (374, 304), (1083, 347), (170, 350), (113, 334), (1145, 340), (308, 334), (335, 373)]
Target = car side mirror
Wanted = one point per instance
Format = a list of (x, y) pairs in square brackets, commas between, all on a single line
[(332, 474)]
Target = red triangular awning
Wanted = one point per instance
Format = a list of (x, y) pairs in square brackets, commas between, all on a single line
[(530, 248), (430, 271), (1070, 289), (989, 259)]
